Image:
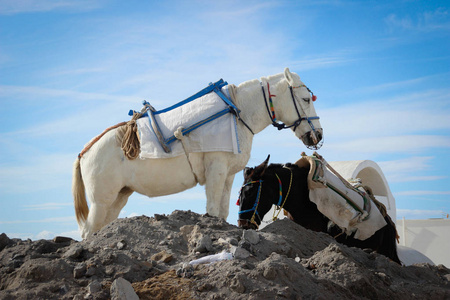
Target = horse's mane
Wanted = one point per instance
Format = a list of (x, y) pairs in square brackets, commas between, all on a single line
[(270, 78), (248, 83), (273, 77)]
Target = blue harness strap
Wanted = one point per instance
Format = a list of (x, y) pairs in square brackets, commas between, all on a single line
[(212, 87)]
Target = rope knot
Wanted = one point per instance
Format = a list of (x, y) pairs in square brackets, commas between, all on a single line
[(179, 133)]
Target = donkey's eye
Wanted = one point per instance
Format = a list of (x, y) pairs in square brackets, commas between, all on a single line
[(306, 99)]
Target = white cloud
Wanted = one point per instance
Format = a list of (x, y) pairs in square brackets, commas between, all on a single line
[(399, 115), (46, 235), (69, 219), (193, 194), (46, 206), (407, 169), (390, 144), (9, 7), (74, 234), (422, 193), (322, 61), (30, 93), (45, 172), (406, 178), (407, 165), (49, 235), (394, 85), (427, 21), (419, 213)]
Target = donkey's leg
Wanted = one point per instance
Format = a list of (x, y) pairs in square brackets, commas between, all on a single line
[(216, 171), (225, 201)]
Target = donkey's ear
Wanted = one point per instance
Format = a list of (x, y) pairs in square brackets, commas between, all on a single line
[(259, 170), (248, 172), (289, 77)]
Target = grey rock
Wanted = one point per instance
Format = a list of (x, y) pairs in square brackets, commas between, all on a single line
[(4, 241), (74, 252), (270, 273), (121, 245), (122, 289), (204, 244), (62, 239), (159, 217), (251, 236), (94, 287), (91, 271), (186, 270), (239, 253), (232, 241), (79, 270)]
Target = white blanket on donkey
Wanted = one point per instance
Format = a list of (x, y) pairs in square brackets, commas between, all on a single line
[(217, 135), (334, 206)]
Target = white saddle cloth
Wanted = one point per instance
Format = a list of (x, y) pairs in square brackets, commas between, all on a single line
[(332, 204), (217, 135)]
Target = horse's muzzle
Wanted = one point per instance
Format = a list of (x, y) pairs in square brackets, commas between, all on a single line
[(245, 224), (313, 138)]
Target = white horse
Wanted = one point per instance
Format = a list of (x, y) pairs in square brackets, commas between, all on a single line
[(108, 177)]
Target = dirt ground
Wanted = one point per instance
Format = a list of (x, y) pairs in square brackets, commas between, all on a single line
[(282, 261)]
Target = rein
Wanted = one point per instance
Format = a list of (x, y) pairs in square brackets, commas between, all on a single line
[(271, 111), (280, 205)]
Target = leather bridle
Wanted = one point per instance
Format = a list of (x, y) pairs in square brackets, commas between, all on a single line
[(279, 125)]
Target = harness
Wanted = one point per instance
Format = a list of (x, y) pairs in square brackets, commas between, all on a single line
[(279, 205), (150, 111), (271, 111)]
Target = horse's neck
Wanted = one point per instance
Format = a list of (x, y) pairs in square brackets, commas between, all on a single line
[(250, 100)]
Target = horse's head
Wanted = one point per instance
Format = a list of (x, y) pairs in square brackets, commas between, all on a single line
[(252, 200), (292, 102)]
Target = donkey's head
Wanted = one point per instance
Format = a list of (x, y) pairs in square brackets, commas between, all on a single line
[(253, 202)]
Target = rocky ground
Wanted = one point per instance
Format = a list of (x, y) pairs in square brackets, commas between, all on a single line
[(150, 258)]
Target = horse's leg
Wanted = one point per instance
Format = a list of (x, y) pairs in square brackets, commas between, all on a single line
[(225, 201), (102, 202), (116, 207), (95, 220), (216, 171)]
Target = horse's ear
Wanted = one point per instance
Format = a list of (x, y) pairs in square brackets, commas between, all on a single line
[(289, 77), (259, 170)]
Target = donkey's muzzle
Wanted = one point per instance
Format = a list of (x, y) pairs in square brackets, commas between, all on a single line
[(245, 224)]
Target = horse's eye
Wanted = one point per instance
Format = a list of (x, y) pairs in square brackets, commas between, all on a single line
[(306, 100)]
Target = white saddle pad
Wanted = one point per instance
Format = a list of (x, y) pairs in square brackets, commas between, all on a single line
[(327, 191), (217, 135)]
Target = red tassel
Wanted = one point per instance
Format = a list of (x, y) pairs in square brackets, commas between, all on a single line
[(314, 98), (238, 202)]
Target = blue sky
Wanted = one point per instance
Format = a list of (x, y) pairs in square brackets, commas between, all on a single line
[(71, 68)]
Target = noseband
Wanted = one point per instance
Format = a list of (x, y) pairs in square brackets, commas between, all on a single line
[(254, 209), (271, 111)]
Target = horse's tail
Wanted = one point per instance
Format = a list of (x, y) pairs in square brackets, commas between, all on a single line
[(79, 194)]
